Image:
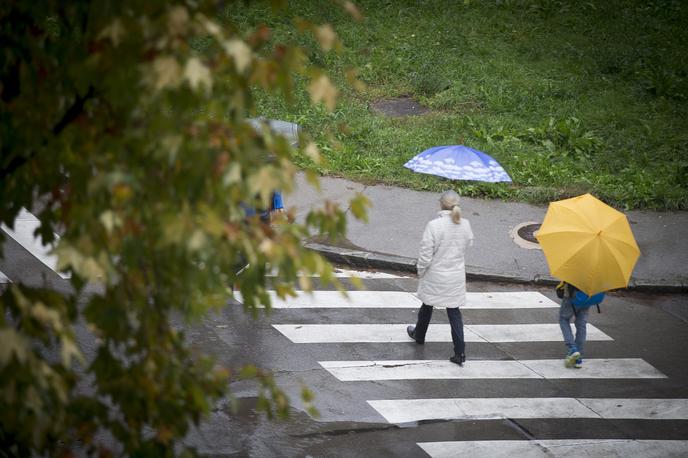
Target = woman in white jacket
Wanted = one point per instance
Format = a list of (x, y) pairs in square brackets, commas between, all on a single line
[(442, 272)]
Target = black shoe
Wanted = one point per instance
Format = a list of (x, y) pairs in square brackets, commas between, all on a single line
[(411, 331), (458, 359)]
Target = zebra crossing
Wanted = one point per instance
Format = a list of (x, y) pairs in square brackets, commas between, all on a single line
[(23, 232), (396, 410), (401, 408)]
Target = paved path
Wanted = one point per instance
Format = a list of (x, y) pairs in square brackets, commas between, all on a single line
[(398, 217)]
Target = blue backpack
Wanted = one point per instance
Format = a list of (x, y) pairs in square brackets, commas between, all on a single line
[(582, 301)]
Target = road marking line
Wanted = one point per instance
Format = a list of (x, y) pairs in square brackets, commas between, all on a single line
[(347, 273), (378, 333), (412, 410), (24, 227), (556, 448), (4, 279), (401, 299), (362, 274), (621, 368)]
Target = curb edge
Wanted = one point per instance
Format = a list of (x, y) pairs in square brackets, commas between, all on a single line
[(374, 260)]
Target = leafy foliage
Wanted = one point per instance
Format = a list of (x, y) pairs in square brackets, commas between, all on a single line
[(124, 127)]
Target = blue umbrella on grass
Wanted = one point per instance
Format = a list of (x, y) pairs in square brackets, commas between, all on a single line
[(458, 162)]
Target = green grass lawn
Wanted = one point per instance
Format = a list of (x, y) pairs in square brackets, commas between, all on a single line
[(569, 96)]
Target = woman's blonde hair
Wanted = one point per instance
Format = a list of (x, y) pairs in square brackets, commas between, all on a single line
[(449, 200)]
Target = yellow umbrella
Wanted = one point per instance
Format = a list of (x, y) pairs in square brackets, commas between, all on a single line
[(588, 244)]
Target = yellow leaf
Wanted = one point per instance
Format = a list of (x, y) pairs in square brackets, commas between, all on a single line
[(110, 220), (197, 74), (114, 32), (210, 26), (353, 10), (177, 20), (197, 240), (312, 152), (326, 36), (12, 344), (305, 283), (322, 89), (263, 183), (352, 80), (66, 256), (69, 351), (267, 246), (91, 270), (86, 267), (166, 72), (240, 52), (232, 175), (47, 316)]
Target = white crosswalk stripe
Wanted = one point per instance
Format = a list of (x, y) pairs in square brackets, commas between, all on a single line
[(349, 273), (401, 299), (4, 279), (400, 411), (567, 448), (388, 333), (23, 233), (621, 368)]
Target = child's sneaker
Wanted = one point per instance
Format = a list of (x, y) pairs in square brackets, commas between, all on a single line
[(571, 357), (579, 363)]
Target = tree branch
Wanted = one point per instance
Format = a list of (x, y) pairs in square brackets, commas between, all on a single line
[(75, 110), (70, 115)]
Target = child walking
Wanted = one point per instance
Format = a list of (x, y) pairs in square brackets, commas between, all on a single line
[(574, 354)]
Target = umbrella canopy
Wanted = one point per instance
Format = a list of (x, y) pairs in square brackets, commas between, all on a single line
[(458, 162), (588, 244)]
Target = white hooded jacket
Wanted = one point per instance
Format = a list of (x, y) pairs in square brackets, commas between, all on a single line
[(441, 266)]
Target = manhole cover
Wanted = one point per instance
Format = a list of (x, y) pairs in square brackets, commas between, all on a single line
[(527, 232), (524, 235)]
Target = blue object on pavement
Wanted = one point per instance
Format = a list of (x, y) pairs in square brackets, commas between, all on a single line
[(458, 162), (276, 204)]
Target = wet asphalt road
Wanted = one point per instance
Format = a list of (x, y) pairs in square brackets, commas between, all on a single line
[(654, 328), (642, 326)]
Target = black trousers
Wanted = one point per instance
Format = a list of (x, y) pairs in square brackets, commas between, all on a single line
[(455, 322)]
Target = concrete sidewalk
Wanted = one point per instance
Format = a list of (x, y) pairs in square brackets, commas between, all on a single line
[(398, 216)]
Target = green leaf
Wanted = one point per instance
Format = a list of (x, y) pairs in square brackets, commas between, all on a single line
[(13, 345), (359, 206)]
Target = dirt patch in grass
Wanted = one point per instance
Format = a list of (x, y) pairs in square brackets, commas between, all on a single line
[(398, 107)]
